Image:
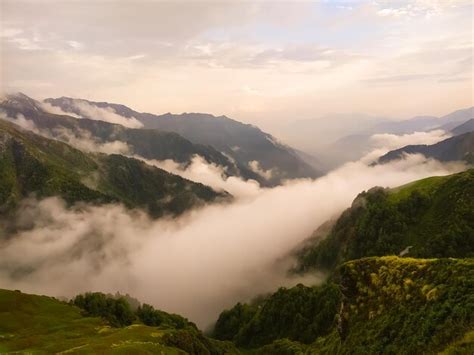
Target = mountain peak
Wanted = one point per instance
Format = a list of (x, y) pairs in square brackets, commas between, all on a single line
[(21, 101)]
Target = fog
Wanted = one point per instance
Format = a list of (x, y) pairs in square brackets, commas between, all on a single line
[(197, 264), (93, 112), (199, 170)]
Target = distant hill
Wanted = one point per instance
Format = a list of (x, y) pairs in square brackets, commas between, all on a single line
[(32, 164), (148, 143), (243, 142), (457, 148), (352, 141), (41, 324), (466, 127)]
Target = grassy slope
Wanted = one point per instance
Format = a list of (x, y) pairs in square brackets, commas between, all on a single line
[(435, 216), (45, 325), (33, 164)]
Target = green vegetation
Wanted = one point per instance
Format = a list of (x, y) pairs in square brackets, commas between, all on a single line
[(434, 216), (382, 305), (40, 324), (404, 306), (299, 313), (378, 304), (31, 164)]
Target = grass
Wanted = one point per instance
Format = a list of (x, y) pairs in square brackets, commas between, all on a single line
[(41, 324)]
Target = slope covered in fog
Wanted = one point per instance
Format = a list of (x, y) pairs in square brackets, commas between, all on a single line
[(98, 134), (243, 142), (34, 165), (457, 148)]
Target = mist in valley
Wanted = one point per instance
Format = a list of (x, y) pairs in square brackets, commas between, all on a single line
[(205, 260)]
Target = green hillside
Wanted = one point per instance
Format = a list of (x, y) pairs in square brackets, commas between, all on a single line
[(434, 217), (31, 164), (44, 325), (377, 305), (373, 303), (397, 305)]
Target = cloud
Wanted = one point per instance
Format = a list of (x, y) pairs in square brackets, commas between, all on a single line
[(46, 106), (199, 170), (21, 121), (106, 114), (255, 69), (79, 139), (382, 143), (83, 140), (197, 264), (256, 168)]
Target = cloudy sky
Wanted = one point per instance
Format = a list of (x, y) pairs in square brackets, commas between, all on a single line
[(261, 62)]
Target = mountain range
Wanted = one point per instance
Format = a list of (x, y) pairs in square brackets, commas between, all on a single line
[(244, 143), (351, 140)]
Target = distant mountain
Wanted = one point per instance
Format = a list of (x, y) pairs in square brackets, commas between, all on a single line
[(243, 142), (31, 164), (337, 139), (466, 127), (147, 143), (457, 148)]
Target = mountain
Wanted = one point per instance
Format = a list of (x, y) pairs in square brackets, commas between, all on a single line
[(466, 127), (243, 142), (45, 325), (32, 164), (337, 139), (372, 301), (97, 134), (433, 217), (457, 148)]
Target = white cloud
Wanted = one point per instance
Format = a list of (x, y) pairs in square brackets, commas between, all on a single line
[(21, 121), (199, 170), (106, 114), (256, 168), (382, 143), (46, 106)]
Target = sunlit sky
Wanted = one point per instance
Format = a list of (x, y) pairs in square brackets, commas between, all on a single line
[(256, 61)]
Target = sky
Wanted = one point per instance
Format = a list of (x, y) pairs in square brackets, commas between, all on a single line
[(263, 62)]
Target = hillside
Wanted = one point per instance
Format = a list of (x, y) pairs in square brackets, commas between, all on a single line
[(378, 305), (32, 164), (40, 324), (243, 142), (457, 148), (466, 127), (403, 306), (93, 133), (434, 217)]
